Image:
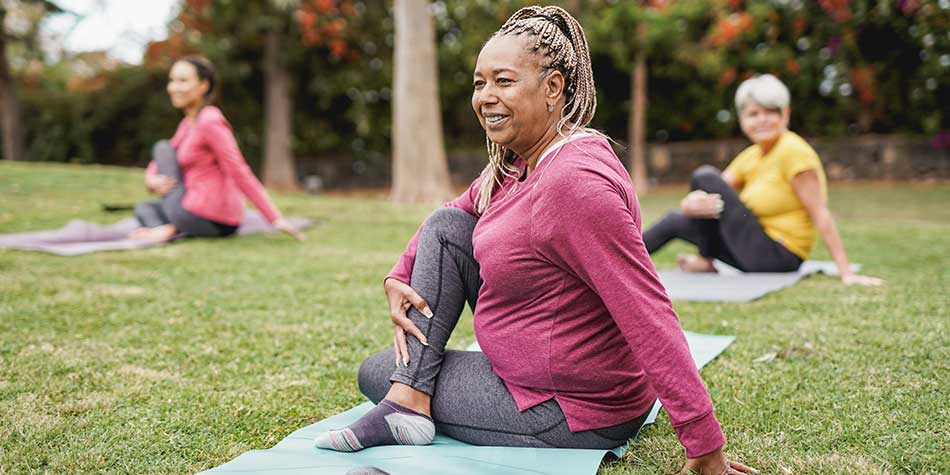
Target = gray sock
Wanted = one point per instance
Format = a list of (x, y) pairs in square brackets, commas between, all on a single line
[(386, 424)]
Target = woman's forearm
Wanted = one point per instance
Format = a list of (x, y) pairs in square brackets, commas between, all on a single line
[(825, 223)]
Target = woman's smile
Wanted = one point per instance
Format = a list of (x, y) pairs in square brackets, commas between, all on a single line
[(495, 120)]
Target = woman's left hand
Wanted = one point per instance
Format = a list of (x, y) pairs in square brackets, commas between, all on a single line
[(284, 226), (160, 184), (715, 463), (699, 204), (851, 278)]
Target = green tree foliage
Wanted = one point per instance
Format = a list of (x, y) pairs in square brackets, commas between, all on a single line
[(853, 66), (338, 53), (116, 124)]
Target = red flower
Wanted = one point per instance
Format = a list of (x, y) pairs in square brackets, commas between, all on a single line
[(862, 78), (838, 9), (727, 77), (324, 6), (334, 27), (730, 27), (337, 48), (792, 66)]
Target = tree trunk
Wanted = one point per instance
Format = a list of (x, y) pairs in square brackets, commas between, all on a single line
[(420, 169), (278, 168), (637, 124), (13, 147)]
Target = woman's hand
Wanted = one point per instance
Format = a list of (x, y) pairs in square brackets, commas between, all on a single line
[(850, 278), (401, 297), (699, 204), (284, 226), (715, 463), (160, 184)]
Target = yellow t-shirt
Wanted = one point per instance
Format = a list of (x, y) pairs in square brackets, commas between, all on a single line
[(767, 190)]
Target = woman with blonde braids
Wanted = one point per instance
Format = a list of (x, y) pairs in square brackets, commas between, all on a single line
[(579, 337)]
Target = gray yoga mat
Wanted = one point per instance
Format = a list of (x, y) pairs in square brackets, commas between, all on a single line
[(82, 237), (732, 285), (296, 455)]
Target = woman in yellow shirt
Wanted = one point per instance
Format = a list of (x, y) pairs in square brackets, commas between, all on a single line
[(763, 213)]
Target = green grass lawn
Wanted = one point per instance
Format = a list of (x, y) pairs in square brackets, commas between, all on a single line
[(178, 358)]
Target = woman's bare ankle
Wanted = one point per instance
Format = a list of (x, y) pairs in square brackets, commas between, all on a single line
[(161, 233), (695, 264), (407, 396)]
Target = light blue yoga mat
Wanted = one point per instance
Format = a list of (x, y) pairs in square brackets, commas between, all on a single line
[(295, 455)]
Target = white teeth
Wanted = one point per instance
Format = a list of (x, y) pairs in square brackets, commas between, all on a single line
[(494, 118)]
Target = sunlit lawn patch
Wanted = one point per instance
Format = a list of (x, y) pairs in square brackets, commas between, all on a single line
[(176, 359)]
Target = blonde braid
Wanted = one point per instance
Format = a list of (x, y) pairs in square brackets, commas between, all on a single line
[(560, 39)]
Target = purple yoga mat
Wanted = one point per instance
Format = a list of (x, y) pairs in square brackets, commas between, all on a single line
[(82, 237)]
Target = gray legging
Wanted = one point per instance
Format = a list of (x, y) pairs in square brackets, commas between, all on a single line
[(736, 238), (469, 401), (169, 209)]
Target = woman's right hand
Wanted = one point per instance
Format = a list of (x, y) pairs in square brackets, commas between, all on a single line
[(715, 463), (699, 204), (850, 278), (401, 298), (160, 184), (288, 228)]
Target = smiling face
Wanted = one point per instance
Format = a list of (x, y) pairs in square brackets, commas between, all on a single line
[(511, 97), (185, 89), (761, 125)]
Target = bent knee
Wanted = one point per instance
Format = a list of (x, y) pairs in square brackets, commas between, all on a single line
[(161, 146), (448, 216), (162, 150), (448, 220), (373, 376), (705, 176), (144, 209)]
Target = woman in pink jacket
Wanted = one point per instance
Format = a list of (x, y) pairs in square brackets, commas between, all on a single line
[(578, 335), (200, 174)]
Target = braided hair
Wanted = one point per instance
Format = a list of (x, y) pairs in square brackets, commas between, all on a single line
[(561, 42)]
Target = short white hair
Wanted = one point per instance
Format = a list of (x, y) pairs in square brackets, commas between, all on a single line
[(765, 90)]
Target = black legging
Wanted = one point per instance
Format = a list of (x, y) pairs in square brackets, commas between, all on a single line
[(169, 209), (736, 237)]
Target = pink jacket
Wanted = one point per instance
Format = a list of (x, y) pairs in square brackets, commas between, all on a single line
[(571, 307), (215, 174)]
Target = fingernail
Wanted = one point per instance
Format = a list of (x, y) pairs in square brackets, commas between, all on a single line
[(406, 362), (427, 312), (424, 342)]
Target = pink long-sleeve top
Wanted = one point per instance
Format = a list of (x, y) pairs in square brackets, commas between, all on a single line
[(216, 176), (571, 307)]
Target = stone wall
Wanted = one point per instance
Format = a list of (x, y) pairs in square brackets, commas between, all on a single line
[(869, 157)]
